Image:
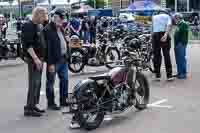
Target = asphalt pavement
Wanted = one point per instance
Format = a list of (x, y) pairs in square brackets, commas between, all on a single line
[(174, 106)]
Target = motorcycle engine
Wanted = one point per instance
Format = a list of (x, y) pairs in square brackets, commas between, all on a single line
[(122, 96)]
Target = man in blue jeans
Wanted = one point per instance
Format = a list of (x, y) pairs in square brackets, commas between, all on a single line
[(181, 41), (57, 55)]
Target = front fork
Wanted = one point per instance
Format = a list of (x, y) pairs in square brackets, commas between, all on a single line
[(131, 81)]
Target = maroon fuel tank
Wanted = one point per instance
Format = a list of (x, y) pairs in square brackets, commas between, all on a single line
[(118, 75)]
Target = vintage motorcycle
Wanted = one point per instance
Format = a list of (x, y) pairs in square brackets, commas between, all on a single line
[(101, 54), (123, 87)]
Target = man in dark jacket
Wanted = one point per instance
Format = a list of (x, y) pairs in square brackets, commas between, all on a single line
[(57, 55), (34, 55)]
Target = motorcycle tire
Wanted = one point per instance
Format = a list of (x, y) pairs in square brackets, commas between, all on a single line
[(109, 66), (75, 57), (143, 90), (83, 116)]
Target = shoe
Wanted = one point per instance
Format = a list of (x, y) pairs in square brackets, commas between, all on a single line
[(54, 107), (30, 112), (157, 77), (170, 78), (182, 77), (74, 125), (39, 110), (64, 103)]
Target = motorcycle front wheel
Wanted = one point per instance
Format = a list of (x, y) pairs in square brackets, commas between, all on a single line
[(77, 60), (89, 116), (142, 91), (112, 57)]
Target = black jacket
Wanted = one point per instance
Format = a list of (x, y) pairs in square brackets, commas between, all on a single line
[(54, 45), (31, 38)]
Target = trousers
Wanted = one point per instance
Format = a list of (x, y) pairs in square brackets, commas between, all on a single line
[(181, 62), (165, 47), (34, 84), (62, 71)]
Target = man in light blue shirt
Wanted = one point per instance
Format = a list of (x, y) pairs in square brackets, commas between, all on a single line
[(161, 40), (160, 22)]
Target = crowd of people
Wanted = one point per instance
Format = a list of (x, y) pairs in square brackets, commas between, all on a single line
[(44, 41)]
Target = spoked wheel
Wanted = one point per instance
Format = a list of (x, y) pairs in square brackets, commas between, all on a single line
[(77, 61), (89, 116), (142, 91), (112, 58)]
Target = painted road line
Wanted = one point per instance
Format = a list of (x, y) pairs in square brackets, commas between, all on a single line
[(161, 106), (108, 118), (159, 102)]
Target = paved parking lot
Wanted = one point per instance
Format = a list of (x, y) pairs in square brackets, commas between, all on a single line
[(174, 106)]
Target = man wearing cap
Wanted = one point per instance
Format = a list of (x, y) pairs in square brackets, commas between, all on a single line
[(57, 55)]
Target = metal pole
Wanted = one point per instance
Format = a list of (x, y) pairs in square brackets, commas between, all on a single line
[(35, 3), (94, 4), (49, 9), (176, 5), (188, 5), (20, 8)]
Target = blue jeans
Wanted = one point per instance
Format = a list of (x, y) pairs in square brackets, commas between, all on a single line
[(62, 71), (180, 54), (86, 36)]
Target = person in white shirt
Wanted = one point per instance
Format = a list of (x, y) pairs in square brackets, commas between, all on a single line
[(161, 40)]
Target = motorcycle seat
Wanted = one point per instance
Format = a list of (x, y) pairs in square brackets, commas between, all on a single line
[(100, 77)]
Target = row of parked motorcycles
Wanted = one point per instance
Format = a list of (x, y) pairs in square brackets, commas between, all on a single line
[(124, 86), (110, 49)]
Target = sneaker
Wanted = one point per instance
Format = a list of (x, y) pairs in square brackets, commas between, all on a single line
[(170, 78), (64, 103), (54, 107), (74, 125), (182, 77), (39, 110), (157, 77), (30, 112)]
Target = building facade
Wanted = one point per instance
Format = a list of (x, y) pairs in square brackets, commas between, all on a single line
[(194, 5), (121, 4)]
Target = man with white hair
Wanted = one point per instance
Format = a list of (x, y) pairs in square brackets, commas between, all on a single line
[(57, 56), (33, 53), (181, 41)]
